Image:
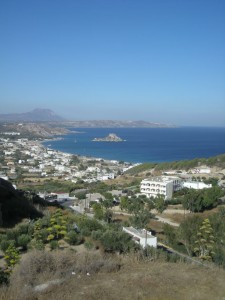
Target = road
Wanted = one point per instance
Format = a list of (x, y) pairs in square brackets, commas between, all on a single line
[(167, 221)]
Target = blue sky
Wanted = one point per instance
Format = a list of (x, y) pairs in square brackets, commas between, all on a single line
[(160, 61)]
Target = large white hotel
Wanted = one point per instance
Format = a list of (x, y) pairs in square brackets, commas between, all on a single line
[(161, 185)]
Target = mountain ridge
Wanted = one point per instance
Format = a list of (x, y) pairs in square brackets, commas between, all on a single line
[(36, 115), (48, 115)]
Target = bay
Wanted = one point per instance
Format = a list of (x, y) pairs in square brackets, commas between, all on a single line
[(144, 144)]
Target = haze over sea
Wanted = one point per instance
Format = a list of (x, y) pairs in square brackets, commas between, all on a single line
[(144, 144)]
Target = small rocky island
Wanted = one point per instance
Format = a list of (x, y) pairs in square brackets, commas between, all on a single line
[(112, 137)]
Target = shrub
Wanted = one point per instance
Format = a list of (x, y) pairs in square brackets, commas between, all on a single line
[(6, 243), (117, 241), (11, 256), (96, 235), (37, 244), (23, 240), (24, 229), (12, 234), (72, 237), (54, 245), (88, 225)]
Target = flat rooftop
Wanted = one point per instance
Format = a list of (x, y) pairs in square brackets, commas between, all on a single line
[(160, 179), (139, 232)]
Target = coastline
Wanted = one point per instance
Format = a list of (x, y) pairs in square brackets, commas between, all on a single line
[(82, 157), (143, 145)]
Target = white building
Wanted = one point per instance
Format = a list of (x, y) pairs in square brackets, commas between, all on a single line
[(203, 170), (103, 177), (196, 185), (163, 185), (141, 237)]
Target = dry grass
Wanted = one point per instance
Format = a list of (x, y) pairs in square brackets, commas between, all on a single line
[(138, 279), (39, 267), (176, 217)]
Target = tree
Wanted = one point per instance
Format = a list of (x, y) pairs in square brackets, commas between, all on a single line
[(200, 200), (124, 203), (81, 195), (149, 203), (108, 203), (170, 234), (160, 204), (141, 219), (188, 232), (218, 225), (205, 241), (108, 216), (113, 240), (98, 211), (192, 201)]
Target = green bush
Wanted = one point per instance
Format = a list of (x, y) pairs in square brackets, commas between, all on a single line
[(12, 234), (72, 237), (117, 241), (96, 235), (23, 241), (37, 244), (43, 234), (54, 245), (6, 243), (87, 225), (23, 229), (11, 256)]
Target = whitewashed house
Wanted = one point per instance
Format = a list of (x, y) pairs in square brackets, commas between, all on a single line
[(197, 185), (142, 237)]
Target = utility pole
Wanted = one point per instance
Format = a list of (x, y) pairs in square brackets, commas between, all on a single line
[(146, 234)]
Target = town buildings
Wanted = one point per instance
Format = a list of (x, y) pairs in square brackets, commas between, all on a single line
[(30, 160)]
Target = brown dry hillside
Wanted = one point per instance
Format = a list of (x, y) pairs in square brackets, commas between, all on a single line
[(135, 280), (147, 281)]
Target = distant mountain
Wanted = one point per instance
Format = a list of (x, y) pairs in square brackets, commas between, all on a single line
[(47, 115), (36, 115)]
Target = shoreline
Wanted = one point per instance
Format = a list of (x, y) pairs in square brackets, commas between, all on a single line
[(148, 147), (83, 157)]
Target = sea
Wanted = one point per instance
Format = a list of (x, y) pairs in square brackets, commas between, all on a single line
[(144, 144)]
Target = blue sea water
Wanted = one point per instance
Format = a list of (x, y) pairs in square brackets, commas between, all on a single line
[(144, 144)]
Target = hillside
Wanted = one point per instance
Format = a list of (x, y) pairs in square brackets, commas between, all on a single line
[(88, 276), (146, 281), (14, 205), (215, 161), (36, 115), (33, 130)]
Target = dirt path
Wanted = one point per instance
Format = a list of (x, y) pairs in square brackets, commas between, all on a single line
[(167, 221)]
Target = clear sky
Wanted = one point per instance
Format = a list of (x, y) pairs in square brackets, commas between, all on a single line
[(153, 60)]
